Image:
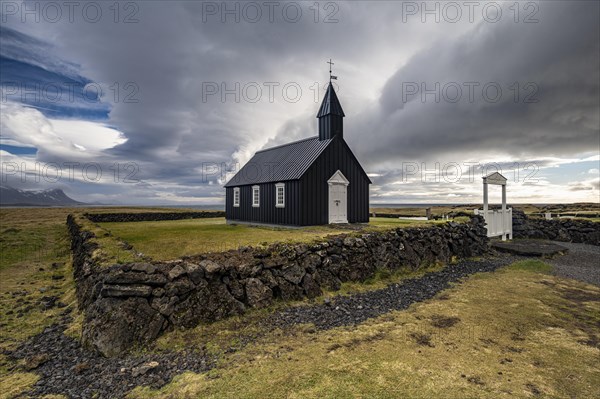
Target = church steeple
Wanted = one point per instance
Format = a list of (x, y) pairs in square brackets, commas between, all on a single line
[(331, 116)]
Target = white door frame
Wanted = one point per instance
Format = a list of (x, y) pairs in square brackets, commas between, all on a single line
[(337, 181)]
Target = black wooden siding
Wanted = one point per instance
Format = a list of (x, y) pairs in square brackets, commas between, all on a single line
[(306, 200), (315, 196), (267, 212)]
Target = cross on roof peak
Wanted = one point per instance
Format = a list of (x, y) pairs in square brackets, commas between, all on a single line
[(330, 75)]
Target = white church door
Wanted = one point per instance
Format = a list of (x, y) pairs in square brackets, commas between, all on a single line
[(338, 198)]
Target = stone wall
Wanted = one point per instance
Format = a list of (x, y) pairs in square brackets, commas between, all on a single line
[(567, 230), (151, 216), (129, 304), (450, 215)]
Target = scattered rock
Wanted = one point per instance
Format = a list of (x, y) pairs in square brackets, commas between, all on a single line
[(124, 323), (48, 302), (148, 268), (310, 286), (74, 372), (35, 361), (349, 241), (81, 367), (294, 273), (440, 321), (136, 278), (258, 294), (165, 305), (475, 380), (210, 267), (179, 288), (176, 272), (124, 291), (144, 368), (195, 272), (533, 389)]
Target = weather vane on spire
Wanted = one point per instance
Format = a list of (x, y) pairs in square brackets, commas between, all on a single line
[(331, 77)]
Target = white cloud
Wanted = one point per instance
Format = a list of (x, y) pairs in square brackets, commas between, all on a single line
[(71, 139)]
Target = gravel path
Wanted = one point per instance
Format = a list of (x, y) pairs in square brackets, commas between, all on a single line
[(354, 309), (582, 262), (66, 368)]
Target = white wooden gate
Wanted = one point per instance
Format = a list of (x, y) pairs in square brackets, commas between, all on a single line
[(497, 222)]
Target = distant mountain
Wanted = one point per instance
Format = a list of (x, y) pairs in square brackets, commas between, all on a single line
[(55, 197)]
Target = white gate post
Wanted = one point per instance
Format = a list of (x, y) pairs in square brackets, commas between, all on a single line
[(485, 198), (504, 214)]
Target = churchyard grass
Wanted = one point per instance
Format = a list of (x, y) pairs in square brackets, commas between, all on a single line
[(169, 239)]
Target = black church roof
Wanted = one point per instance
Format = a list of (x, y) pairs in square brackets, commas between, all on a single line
[(331, 104), (285, 162)]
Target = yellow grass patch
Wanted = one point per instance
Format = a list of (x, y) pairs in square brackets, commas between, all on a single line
[(14, 384), (513, 333)]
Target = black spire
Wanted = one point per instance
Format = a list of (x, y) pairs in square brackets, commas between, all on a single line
[(330, 116)]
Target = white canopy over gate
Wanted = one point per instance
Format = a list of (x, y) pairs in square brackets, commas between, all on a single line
[(498, 222)]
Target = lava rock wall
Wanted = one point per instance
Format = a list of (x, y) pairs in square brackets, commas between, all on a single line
[(151, 216), (567, 230), (130, 304)]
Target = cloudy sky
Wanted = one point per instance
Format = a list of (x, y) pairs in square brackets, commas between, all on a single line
[(153, 102)]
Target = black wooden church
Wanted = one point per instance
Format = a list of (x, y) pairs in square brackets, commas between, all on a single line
[(313, 181)]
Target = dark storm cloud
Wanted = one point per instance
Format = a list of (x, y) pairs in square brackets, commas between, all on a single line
[(171, 52), (558, 56)]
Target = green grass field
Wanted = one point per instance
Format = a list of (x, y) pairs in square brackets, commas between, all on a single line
[(170, 239), (34, 263), (563, 209)]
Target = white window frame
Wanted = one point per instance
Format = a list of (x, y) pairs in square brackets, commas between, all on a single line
[(277, 203), (256, 196), (236, 197)]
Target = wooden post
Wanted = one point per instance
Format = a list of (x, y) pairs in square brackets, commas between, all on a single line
[(428, 213), (503, 198)]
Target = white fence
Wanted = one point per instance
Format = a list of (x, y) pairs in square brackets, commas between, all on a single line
[(498, 222)]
